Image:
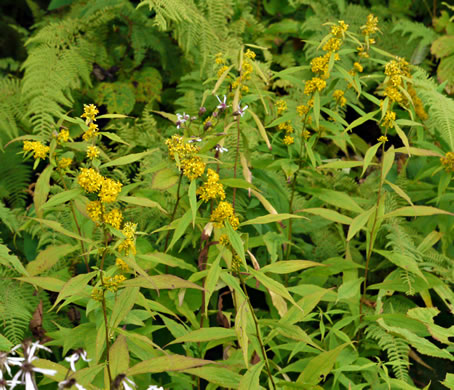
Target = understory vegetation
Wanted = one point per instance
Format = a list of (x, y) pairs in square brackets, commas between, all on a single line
[(201, 194)]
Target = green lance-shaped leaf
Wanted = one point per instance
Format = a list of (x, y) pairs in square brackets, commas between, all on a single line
[(236, 241), (341, 165), (361, 120), (183, 224), (349, 289), (166, 259), (123, 305), (320, 366), (206, 334), (45, 282), (113, 137), (62, 197), (165, 364), (74, 286), (160, 282), (193, 200), (217, 375), (328, 214), (48, 257), (119, 356), (60, 229), (388, 161), (289, 266), (416, 211), (42, 190), (335, 198), (271, 218), (129, 159), (145, 202), (272, 285), (261, 128), (399, 191), (112, 116), (370, 154), (237, 183), (359, 221), (241, 321), (403, 137), (211, 280)]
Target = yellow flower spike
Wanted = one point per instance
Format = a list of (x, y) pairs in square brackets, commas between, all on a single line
[(223, 212), (249, 54), (306, 134), (193, 167), (358, 67), (340, 98), (63, 136), (95, 210), (112, 283), (90, 180), (109, 190), (114, 218), (92, 152), (121, 265), (92, 132), (340, 29), (389, 119), (64, 162), (281, 106), (383, 139), (288, 140), (332, 45), (40, 150), (97, 294), (448, 161), (224, 240), (371, 25), (316, 83), (211, 189), (90, 112)]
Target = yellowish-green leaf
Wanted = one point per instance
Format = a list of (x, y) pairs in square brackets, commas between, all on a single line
[(145, 202), (362, 120), (193, 200), (341, 165), (129, 159), (218, 375), (328, 214), (119, 356), (251, 379), (289, 266), (261, 128), (270, 218), (165, 364), (359, 222), (370, 154), (161, 282), (388, 161), (416, 211), (403, 137), (123, 305), (62, 197), (399, 191), (47, 258), (74, 286), (60, 229), (45, 282), (206, 334), (166, 259), (42, 190)]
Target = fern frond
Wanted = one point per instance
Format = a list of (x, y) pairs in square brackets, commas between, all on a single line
[(417, 31)]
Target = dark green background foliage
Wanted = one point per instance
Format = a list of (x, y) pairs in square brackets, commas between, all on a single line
[(148, 60)]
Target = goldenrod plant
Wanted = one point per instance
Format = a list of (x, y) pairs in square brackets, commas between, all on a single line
[(206, 210)]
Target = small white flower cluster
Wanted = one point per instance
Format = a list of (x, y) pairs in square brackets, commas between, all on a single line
[(26, 373)]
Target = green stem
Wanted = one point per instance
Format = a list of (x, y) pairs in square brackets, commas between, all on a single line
[(257, 329), (73, 211), (236, 157), (372, 233), (174, 210), (104, 310)]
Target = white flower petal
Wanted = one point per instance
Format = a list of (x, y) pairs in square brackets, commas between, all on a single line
[(29, 382), (45, 371)]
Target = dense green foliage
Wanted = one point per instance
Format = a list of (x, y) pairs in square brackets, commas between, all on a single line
[(243, 195)]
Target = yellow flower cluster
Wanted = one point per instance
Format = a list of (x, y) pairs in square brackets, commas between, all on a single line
[(306, 134), (97, 294), (109, 190), (93, 152), (121, 265), (39, 150), (90, 180), (281, 106), (448, 161), (320, 65), (224, 240), (358, 67), (90, 112), (63, 136), (222, 70), (219, 60), (114, 218), (288, 140), (112, 283), (370, 27), (382, 139), (128, 245), (332, 45), (340, 29), (389, 119), (249, 54), (315, 84), (340, 98), (92, 132), (64, 162), (191, 165), (95, 210), (211, 189), (287, 126), (224, 212), (302, 109)]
